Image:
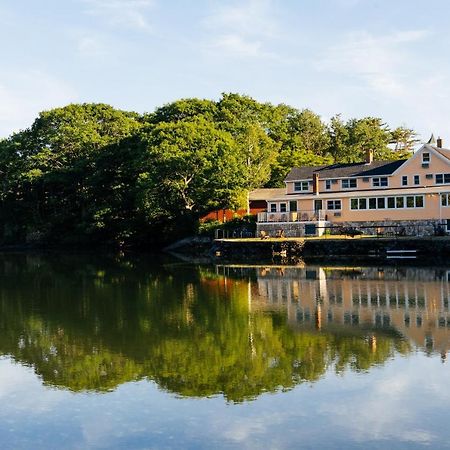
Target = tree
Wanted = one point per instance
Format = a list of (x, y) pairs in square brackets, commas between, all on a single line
[(189, 168)]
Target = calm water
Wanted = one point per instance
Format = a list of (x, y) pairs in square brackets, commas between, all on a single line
[(140, 354)]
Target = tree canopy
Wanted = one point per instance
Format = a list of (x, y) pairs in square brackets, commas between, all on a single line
[(92, 173)]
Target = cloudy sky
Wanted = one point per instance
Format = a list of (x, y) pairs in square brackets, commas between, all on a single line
[(381, 58)]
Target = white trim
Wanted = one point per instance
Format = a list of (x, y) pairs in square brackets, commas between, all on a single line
[(425, 190)]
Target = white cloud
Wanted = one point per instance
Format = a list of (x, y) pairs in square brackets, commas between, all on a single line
[(382, 62), (243, 28), (24, 93), (128, 13)]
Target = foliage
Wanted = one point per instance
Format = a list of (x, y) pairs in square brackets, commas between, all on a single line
[(90, 173)]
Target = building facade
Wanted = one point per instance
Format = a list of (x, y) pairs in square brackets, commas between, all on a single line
[(410, 196)]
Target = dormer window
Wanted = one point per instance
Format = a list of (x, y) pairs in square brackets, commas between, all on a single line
[(349, 183), (380, 182), (301, 186)]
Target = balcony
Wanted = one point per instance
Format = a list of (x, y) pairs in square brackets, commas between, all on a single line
[(287, 217)]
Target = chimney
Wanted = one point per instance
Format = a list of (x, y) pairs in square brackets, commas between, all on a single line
[(369, 156), (315, 183), (439, 142)]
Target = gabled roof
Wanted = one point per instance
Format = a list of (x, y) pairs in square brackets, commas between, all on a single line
[(442, 151), (345, 170)]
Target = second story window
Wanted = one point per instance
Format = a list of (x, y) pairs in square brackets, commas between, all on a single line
[(443, 178), (301, 186), (404, 180), (349, 183), (425, 158), (380, 182), (327, 185), (416, 179)]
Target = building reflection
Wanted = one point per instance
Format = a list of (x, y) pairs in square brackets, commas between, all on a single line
[(411, 301)]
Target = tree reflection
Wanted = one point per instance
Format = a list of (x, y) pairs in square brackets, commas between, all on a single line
[(88, 324)]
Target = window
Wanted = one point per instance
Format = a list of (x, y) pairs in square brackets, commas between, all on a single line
[(445, 199), (416, 179), (349, 183), (273, 207), (283, 207), (380, 182), (301, 185), (425, 158), (404, 180), (334, 204), (410, 201), (317, 205), (327, 185), (419, 201), (443, 178), (358, 203)]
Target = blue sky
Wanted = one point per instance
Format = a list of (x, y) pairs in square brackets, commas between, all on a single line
[(356, 57)]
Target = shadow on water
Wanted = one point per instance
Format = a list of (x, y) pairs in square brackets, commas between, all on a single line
[(92, 323)]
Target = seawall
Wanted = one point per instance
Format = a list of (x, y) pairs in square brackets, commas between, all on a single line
[(377, 249)]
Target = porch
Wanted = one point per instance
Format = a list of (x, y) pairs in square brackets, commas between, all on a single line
[(289, 217)]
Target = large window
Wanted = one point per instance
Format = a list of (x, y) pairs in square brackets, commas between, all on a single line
[(334, 205), (349, 183), (380, 182), (443, 178), (445, 199), (301, 185), (409, 201)]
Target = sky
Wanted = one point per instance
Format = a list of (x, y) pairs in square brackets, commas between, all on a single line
[(383, 58)]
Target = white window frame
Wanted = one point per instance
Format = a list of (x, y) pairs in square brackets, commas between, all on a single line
[(328, 185), (377, 182), (404, 180), (271, 209), (426, 157), (334, 203), (416, 178), (302, 185), (348, 182)]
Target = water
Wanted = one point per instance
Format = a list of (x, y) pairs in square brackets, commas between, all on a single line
[(142, 354)]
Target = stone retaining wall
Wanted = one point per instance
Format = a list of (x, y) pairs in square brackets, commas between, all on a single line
[(430, 227)]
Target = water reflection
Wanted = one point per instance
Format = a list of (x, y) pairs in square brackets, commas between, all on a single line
[(84, 323)]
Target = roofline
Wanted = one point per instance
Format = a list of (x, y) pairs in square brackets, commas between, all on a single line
[(428, 147), (382, 192)]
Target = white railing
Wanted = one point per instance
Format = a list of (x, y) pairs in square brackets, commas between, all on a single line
[(299, 216)]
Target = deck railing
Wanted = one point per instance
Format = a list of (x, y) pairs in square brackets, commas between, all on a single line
[(298, 216)]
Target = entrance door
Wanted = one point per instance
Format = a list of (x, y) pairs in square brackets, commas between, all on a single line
[(317, 205)]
